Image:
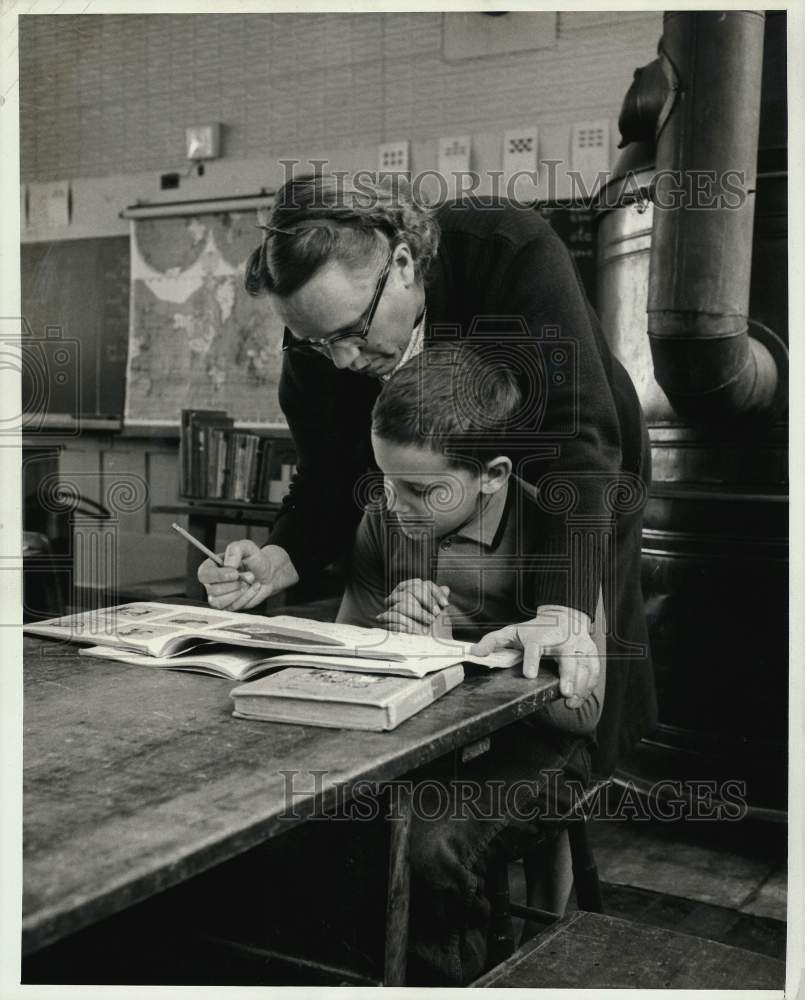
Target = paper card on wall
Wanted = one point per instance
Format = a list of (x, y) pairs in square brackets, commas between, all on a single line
[(454, 159), (57, 200), (589, 148), (520, 147), (393, 157)]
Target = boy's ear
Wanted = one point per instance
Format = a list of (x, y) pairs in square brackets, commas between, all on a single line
[(496, 474)]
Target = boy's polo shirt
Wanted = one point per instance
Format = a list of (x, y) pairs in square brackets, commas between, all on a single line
[(478, 562)]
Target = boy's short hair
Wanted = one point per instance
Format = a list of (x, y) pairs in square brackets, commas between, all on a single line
[(455, 400)]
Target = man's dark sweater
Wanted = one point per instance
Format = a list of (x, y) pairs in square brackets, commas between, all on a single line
[(503, 277)]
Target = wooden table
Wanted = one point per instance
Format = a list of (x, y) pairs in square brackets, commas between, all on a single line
[(138, 778), (202, 522)]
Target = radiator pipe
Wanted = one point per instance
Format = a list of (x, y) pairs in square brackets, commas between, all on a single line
[(707, 361)]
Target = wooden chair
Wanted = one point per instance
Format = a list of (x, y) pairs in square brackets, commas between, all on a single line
[(585, 880), (585, 873)]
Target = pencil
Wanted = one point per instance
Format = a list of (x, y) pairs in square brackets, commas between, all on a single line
[(203, 548)]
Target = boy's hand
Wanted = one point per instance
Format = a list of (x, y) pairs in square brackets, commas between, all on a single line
[(414, 606), (267, 571), (556, 631)]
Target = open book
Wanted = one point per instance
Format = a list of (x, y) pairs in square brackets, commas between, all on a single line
[(246, 664), (218, 661), (174, 630)]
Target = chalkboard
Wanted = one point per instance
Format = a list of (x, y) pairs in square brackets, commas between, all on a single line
[(75, 307)]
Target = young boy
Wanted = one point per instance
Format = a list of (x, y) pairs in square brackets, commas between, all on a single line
[(446, 549), (456, 545)]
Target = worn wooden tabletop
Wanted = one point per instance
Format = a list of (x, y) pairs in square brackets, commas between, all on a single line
[(136, 778)]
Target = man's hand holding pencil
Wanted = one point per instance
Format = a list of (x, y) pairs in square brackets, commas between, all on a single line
[(248, 575), (244, 575)]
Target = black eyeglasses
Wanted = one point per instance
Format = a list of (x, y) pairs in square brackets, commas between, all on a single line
[(324, 345)]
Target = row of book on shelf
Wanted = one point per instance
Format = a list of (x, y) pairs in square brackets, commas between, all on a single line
[(289, 669), (219, 462)]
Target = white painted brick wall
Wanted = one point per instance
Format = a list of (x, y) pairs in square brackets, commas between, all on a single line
[(111, 95)]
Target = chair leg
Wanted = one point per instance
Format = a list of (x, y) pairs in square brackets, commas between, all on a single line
[(548, 881), (500, 943), (548, 873), (585, 871)]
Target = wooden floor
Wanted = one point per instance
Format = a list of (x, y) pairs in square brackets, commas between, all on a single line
[(739, 865), (600, 952), (725, 882)]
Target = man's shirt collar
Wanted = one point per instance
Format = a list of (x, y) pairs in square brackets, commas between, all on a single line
[(414, 347)]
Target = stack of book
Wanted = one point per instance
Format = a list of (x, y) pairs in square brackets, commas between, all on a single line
[(218, 462), (321, 673)]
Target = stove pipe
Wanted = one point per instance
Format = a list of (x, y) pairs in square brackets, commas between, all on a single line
[(705, 358)]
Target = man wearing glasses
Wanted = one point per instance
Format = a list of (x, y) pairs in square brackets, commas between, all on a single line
[(345, 347), (364, 278)]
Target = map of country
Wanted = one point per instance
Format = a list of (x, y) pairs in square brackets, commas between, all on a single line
[(198, 339)]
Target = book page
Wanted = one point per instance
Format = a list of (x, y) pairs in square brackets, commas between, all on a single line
[(380, 642), (352, 639), (234, 664), (411, 667), (502, 659), (148, 627), (168, 629), (375, 643)]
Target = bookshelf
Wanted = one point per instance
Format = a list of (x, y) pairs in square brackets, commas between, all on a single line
[(227, 475), (223, 463)]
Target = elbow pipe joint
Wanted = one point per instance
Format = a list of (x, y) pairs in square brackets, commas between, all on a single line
[(712, 362), (643, 103), (713, 374)]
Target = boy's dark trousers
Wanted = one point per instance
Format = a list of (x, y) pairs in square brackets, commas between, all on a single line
[(529, 778), (321, 888)]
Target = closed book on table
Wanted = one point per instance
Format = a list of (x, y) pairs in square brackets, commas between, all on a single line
[(340, 699)]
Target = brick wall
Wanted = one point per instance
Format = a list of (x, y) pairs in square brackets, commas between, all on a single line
[(104, 101), (104, 96)]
